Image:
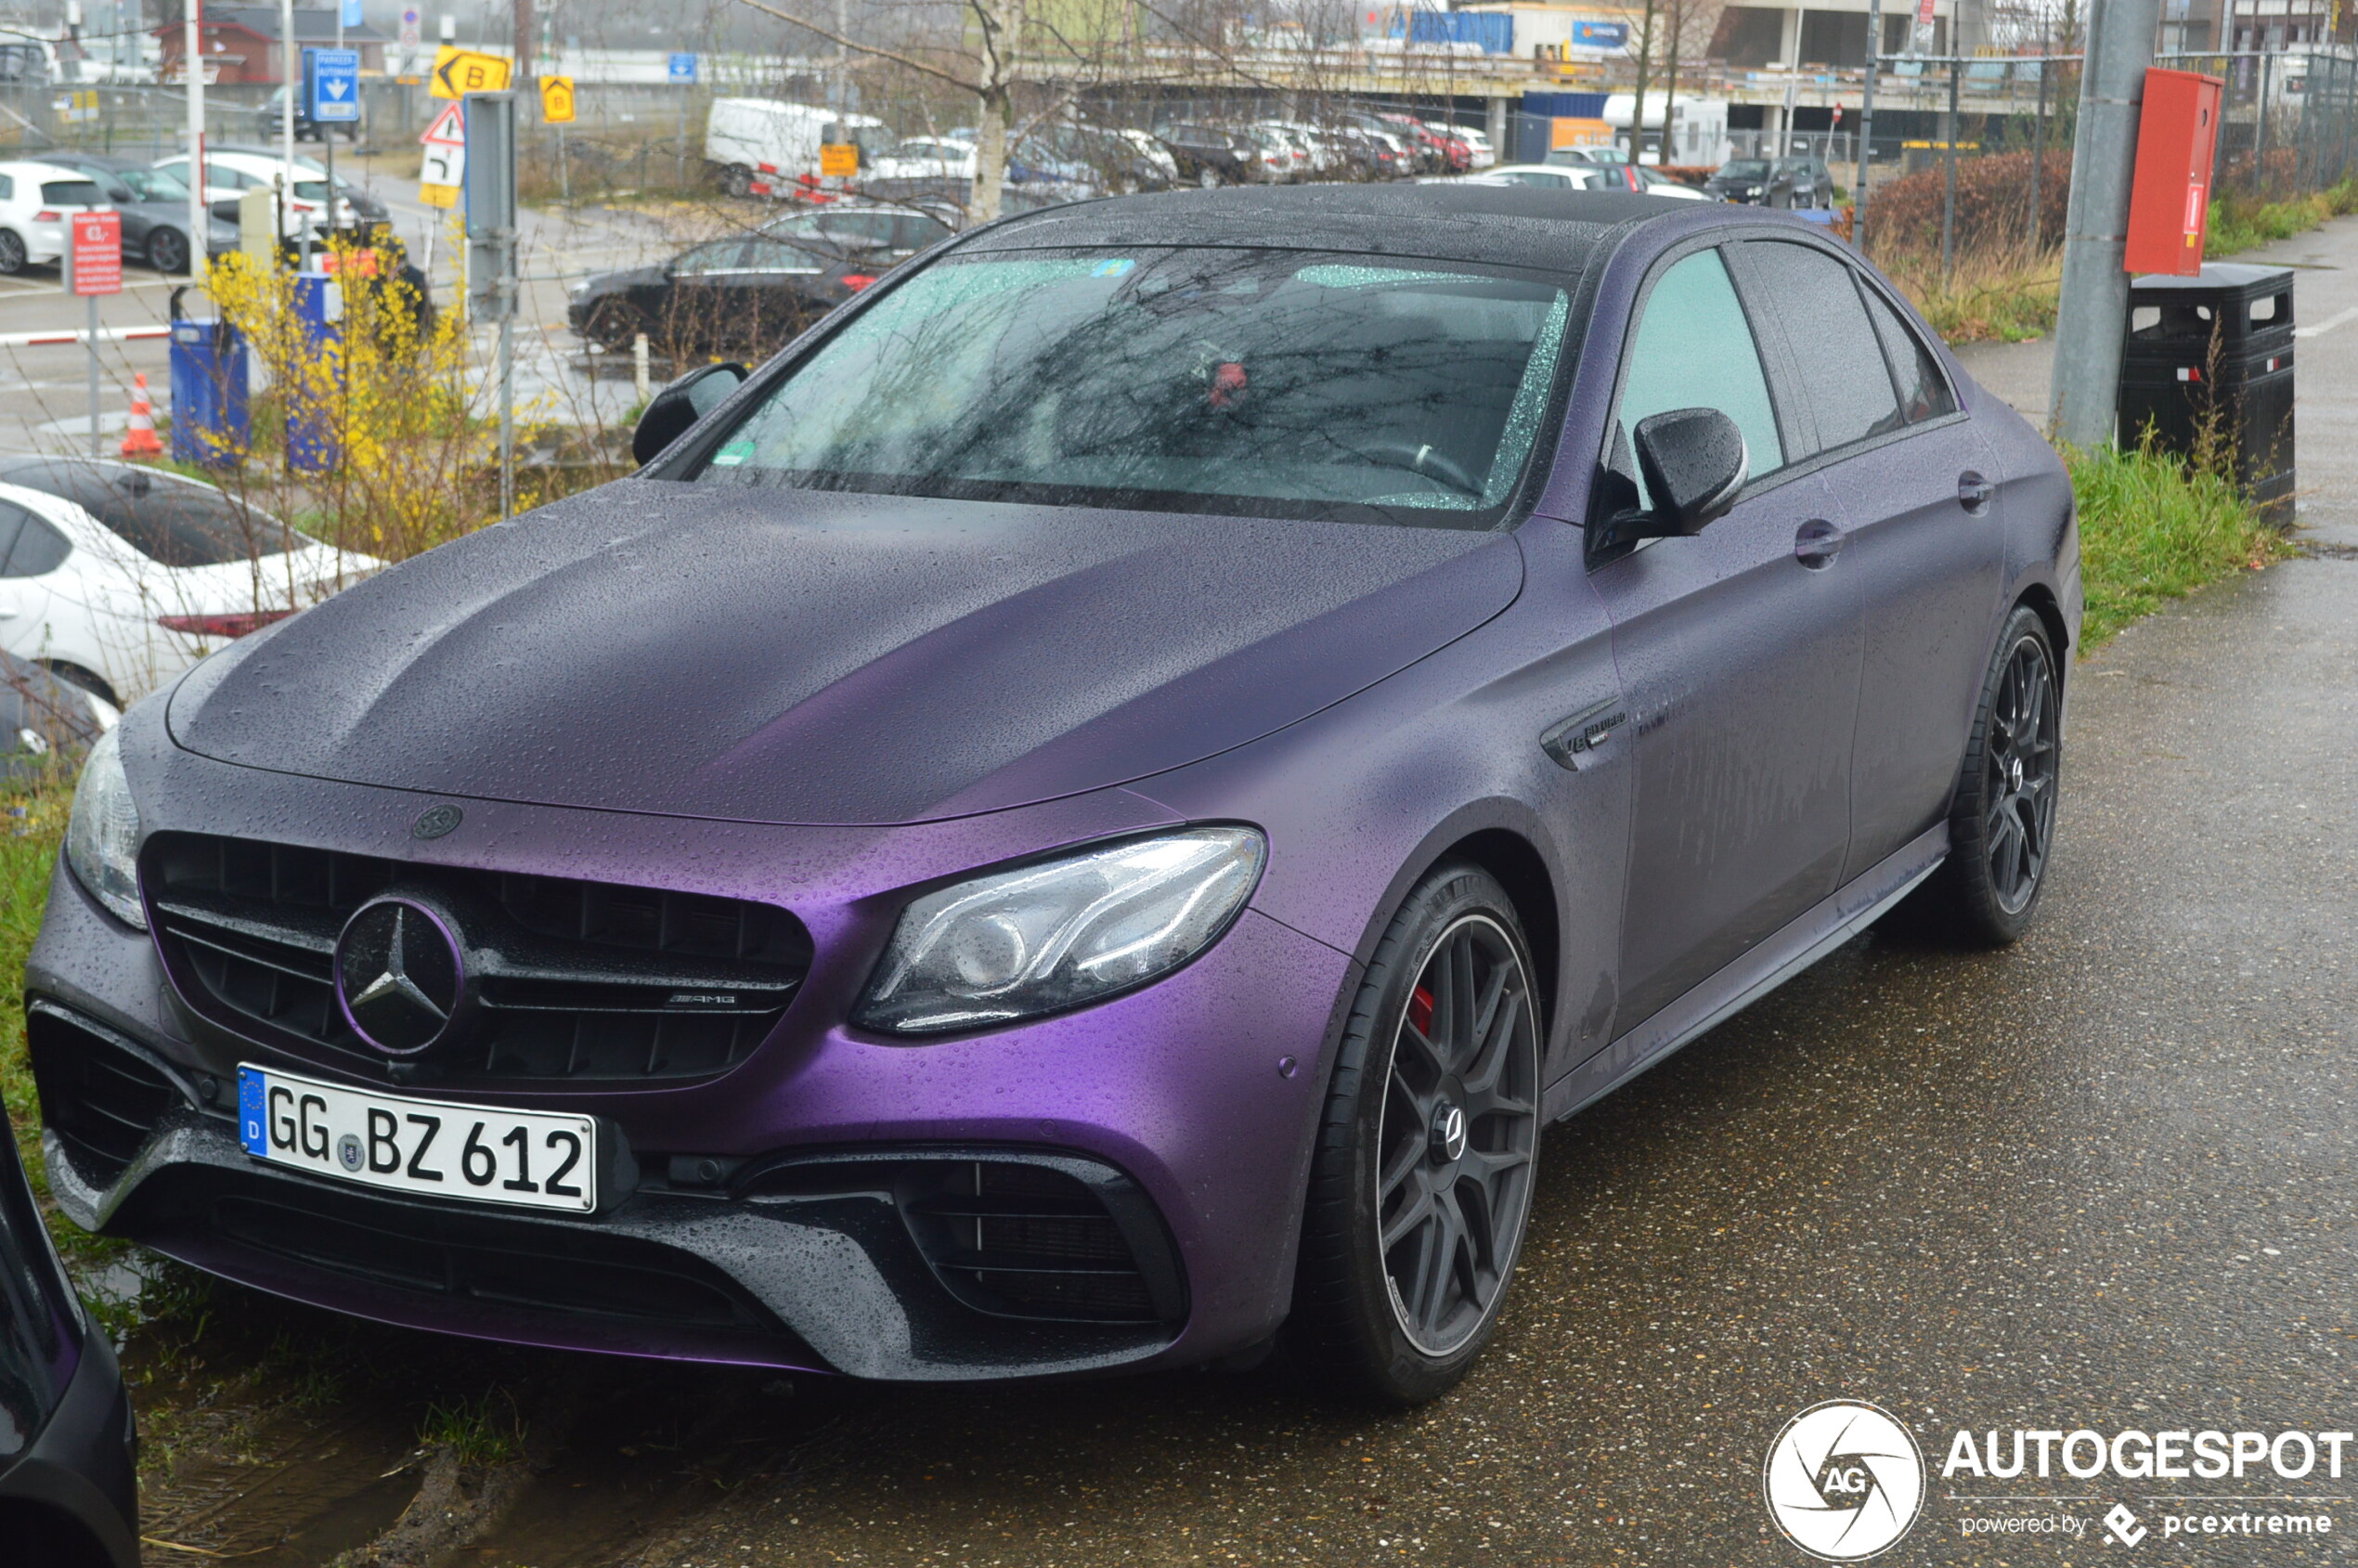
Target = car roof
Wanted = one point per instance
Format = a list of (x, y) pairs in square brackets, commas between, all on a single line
[(1514, 224)]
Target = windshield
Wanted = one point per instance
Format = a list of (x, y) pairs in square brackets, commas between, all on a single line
[(1255, 382), (1746, 169), (174, 520)]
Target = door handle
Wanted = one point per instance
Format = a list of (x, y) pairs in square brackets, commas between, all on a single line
[(1974, 492), (1816, 544)]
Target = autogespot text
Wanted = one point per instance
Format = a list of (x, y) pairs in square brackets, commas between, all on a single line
[(2143, 1456)]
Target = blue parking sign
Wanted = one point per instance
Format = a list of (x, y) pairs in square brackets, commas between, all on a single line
[(683, 67), (331, 85)]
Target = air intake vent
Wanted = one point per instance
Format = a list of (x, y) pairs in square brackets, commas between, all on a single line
[(1024, 1240), (583, 981), (102, 1099)]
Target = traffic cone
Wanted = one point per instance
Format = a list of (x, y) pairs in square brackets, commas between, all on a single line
[(140, 440)]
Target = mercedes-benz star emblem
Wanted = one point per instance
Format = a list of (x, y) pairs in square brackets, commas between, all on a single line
[(399, 974)]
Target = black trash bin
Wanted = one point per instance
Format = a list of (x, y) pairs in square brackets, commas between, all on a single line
[(2216, 349)]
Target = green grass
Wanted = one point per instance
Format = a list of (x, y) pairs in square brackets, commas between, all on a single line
[(2154, 528), (485, 1430), (2237, 223)]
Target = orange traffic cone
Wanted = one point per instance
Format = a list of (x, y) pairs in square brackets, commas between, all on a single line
[(140, 440)]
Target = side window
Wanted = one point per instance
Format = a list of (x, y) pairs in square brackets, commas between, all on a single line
[(1693, 349), (7, 188), (768, 253), (720, 255), (34, 548), (1924, 390), (1837, 361)]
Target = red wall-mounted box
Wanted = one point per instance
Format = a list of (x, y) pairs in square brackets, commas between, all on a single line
[(2170, 203)]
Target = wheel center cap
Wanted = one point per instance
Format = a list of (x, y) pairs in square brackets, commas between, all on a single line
[(2013, 775), (1448, 1134)]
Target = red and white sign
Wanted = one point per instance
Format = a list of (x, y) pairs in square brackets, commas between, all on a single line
[(448, 129), (96, 253), (1924, 13)]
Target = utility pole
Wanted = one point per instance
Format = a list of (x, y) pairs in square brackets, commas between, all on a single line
[(200, 215), (2092, 317), (524, 43), (1866, 127)]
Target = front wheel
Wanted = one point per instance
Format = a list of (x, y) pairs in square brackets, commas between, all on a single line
[(1420, 1185), (2001, 828)]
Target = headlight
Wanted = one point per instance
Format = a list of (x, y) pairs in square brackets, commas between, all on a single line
[(1046, 937), (102, 836)]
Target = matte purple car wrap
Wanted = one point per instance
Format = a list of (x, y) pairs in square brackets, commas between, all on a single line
[(1692, 767)]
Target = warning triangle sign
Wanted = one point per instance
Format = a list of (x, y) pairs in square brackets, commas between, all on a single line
[(449, 128)]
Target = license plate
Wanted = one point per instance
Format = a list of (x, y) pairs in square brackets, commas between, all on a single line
[(529, 1158)]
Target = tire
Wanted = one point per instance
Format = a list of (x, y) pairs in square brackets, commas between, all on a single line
[(737, 180), (2002, 827), (1207, 177), (12, 252), (1451, 1118), (168, 250)]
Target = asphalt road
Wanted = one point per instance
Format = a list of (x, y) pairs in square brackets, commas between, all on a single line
[(2103, 1180)]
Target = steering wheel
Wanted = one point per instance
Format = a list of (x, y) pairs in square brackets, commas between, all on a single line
[(1426, 459)]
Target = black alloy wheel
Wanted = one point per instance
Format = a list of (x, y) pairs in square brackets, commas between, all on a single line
[(2001, 827), (12, 252), (168, 250), (1421, 1183)]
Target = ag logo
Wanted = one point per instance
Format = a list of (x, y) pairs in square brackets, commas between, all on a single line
[(1844, 1480)]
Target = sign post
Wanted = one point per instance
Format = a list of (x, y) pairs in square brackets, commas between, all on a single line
[(94, 266), (492, 253)]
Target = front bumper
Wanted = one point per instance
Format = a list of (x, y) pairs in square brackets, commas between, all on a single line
[(777, 1213)]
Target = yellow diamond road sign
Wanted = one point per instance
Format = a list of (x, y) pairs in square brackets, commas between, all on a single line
[(460, 71)]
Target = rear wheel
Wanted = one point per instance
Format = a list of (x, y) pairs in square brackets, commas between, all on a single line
[(1207, 177), (1420, 1186), (168, 250), (2001, 828), (12, 252), (737, 180)]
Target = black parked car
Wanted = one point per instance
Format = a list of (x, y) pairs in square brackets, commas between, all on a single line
[(69, 1493), (154, 205), (1773, 182), (1208, 155), (751, 291)]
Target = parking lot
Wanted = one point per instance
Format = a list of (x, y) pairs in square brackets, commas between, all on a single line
[(2101, 1180)]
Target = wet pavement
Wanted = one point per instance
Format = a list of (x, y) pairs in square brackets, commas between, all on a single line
[(2107, 1179)]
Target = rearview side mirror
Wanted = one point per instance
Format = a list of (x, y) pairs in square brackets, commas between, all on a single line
[(1694, 463), (671, 412)]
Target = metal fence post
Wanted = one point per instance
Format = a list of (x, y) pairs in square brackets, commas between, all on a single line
[(1866, 125), (2039, 156), (1949, 192), (2260, 132)]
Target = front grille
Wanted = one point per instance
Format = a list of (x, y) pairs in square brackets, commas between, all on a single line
[(104, 1099), (582, 981), (1022, 1240)]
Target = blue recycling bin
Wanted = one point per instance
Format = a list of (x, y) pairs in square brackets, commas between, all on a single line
[(311, 443), (210, 425)]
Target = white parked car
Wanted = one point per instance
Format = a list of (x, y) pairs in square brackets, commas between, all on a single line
[(924, 158), (230, 175), (1484, 155), (1586, 177), (118, 576), (35, 201)]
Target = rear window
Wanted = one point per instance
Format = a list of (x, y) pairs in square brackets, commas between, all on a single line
[(173, 521), (71, 193), (1282, 383)]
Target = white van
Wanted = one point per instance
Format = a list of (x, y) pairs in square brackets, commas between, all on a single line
[(759, 147)]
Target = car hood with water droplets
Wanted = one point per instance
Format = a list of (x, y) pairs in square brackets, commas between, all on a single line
[(767, 654)]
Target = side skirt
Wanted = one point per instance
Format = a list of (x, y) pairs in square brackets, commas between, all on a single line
[(1802, 941)]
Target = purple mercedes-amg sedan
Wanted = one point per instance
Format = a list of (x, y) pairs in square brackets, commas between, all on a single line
[(1086, 815)]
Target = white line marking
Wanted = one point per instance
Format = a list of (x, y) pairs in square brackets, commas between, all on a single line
[(2339, 318)]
